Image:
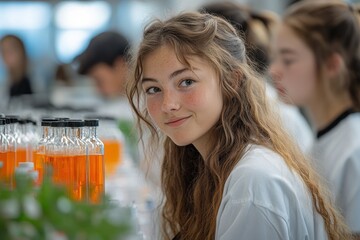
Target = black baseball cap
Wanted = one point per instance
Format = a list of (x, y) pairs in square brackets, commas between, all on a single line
[(105, 47)]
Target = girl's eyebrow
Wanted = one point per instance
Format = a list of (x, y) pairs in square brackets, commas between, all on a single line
[(172, 75), (178, 72), (147, 80), (285, 51)]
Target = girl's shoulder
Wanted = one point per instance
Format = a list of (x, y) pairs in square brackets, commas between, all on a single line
[(339, 143), (262, 174), (263, 191), (260, 160)]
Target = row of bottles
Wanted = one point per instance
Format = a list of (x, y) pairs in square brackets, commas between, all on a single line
[(69, 151), (17, 141), (72, 158)]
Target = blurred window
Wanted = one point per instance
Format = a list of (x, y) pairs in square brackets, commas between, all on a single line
[(133, 15), (76, 22), (24, 15), (82, 15)]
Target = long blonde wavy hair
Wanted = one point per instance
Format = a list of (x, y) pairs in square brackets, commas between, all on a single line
[(193, 186)]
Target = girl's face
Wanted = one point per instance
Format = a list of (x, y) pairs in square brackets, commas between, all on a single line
[(293, 68), (109, 80), (11, 53), (184, 104)]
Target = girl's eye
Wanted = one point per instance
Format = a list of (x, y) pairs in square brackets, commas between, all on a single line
[(186, 82), (152, 90), (287, 62)]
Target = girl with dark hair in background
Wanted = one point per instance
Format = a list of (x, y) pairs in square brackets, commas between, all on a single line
[(15, 59)]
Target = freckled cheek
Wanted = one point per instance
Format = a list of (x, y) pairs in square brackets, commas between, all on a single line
[(153, 108), (194, 100)]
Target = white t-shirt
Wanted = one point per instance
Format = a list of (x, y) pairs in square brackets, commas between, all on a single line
[(264, 199), (337, 159)]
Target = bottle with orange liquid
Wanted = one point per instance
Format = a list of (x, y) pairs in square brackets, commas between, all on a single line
[(5, 165), (11, 148), (95, 158), (113, 140), (32, 134), (23, 153), (55, 152), (75, 162), (39, 150)]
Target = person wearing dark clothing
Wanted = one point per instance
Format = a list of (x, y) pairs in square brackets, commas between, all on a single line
[(15, 59), (21, 87)]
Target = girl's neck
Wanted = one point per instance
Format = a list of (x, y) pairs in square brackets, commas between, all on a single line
[(202, 145), (322, 113)]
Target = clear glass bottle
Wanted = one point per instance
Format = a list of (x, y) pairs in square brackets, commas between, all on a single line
[(76, 164), (95, 158), (39, 151), (23, 153), (56, 163), (10, 134), (6, 167), (32, 133), (114, 144)]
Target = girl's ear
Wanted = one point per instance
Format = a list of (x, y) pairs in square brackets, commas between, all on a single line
[(336, 72), (334, 65)]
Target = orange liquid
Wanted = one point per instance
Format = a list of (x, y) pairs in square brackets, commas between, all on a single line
[(39, 161), (96, 178), (31, 154), (71, 172), (112, 156), (11, 158), (20, 155), (7, 160)]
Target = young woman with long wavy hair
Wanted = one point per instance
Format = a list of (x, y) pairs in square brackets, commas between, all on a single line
[(229, 169)]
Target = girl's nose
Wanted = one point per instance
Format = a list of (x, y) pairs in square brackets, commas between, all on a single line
[(275, 72), (170, 102)]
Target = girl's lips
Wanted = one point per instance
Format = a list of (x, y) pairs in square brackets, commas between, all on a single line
[(280, 89), (176, 122)]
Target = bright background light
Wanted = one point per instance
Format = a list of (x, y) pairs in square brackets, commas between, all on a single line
[(24, 15), (82, 15)]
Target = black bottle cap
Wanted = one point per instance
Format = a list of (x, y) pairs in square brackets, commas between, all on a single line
[(91, 122), (75, 123), (12, 118), (58, 124), (46, 122)]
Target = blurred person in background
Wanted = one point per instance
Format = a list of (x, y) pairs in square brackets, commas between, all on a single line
[(257, 28), (104, 60), (15, 59), (316, 66)]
